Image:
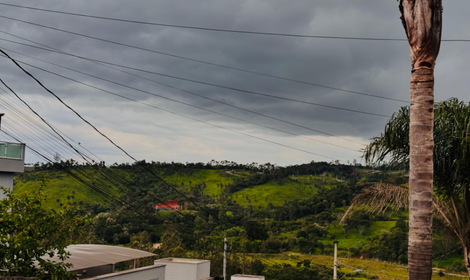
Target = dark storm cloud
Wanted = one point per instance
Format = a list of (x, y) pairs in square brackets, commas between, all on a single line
[(374, 67)]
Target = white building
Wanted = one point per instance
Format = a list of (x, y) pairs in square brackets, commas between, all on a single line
[(11, 162), (93, 261), (246, 277), (186, 269), (154, 272)]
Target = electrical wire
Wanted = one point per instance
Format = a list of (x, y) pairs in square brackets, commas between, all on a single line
[(258, 93), (107, 64), (205, 62), (38, 126), (98, 131), (187, 104), (178, 114), (91, 185), (32, 110), (220, 29)]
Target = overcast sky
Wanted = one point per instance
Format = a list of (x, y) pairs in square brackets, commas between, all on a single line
[(255, 128)]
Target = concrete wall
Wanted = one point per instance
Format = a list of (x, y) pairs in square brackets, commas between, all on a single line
[(179, 271), (6, 181), (155, 272), (185, 269), (11, 165), (203, 270)]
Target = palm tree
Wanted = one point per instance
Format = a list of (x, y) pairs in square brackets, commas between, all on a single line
[(450, 166), (422, 20)]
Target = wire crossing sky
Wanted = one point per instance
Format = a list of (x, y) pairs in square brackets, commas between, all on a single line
[(265, 47)]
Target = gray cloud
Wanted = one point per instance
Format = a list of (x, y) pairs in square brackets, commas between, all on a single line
[(375, 67)]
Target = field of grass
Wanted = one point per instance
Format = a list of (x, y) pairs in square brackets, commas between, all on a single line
[(273, 193), (382, 270), (61, 185), (212, 179), (353, 238), (315, 180)]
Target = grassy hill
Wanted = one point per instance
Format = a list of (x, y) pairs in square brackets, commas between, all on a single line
[(370, 269), (296, 187), (273, 193), (61, 185), (353, 238), (212, 178)]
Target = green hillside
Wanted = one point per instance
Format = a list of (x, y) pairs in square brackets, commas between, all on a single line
[(296, 187), (260, 209), (273, 193), (293, 187), (353, 238), (61, 185), (213, 179)]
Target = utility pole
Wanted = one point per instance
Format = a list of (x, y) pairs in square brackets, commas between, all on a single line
[(335, 264), (225, 258)]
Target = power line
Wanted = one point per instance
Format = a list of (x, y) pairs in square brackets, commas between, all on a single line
[(55, 131), (108, 64), (178, 114), (93, 186), (187, 104), (40, 129), (205, 62), (32, 110), (220, 29), (104, 194), (108, 179), (256, 93), (99, 132)]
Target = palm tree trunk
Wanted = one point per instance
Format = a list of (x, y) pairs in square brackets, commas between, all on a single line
[(421, 174), (422, 20)]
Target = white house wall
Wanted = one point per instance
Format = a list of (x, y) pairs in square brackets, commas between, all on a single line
[(156, 272), (203, 270)]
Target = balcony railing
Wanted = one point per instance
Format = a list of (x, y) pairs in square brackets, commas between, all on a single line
[(11, 150)]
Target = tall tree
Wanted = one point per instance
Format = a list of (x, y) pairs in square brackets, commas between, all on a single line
[(451, 163), (422, 20)]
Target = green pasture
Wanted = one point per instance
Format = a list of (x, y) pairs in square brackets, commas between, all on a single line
[(212, 178), (273, 193)]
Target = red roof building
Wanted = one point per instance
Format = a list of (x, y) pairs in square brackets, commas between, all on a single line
[(168, 206)]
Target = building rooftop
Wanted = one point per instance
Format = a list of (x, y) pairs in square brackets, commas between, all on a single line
[(182, 260), (247, 276), (83, 256)]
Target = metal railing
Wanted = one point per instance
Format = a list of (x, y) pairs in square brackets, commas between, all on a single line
[(11, 150)]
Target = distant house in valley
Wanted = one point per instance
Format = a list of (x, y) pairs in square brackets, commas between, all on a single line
[(168, 206)]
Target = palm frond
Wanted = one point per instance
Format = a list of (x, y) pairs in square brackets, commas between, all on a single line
[(381, 197), (452, 215)]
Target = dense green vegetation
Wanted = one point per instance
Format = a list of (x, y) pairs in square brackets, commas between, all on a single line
[(261, 209), (30, 234)]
